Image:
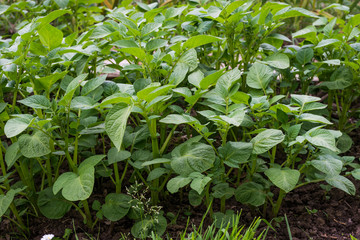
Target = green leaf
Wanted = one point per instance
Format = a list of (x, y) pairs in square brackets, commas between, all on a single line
[(285, 179), (228, 79), (15, 126), (12, 154), (250, 193), (327, 42), (156, 173), (340, 79), (50, 36), (156, 44), (195, 199), (309, 117), (145, 228), (179, 73), (200, 40), (341, 183), (222, 190), (266, 140), (82, 102), (192, 157), (198, 184), (259, 76), (5, 201), (71, 88), (116, 206), (3, 9), (176, 183), (115, 156), (304, 55), (51, 17), (150, 27), (178, 119), (236, 153), (135, 51), (321, 138), (278, 60), (36, 145), (48, 81), (115, 123), (92, 84), (52, 206), (190, 59), (211, 79), (328, 165), (36, 101), (62, 3), (76, 187)]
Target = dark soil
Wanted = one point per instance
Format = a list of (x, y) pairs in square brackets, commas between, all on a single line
[(312, 213)]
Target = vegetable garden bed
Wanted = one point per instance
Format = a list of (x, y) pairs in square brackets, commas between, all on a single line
[(161, 119)]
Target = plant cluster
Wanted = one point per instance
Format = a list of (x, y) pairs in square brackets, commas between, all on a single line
[(208, 99)]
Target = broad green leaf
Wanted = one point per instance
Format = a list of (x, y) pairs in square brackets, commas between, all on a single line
[(304, 55), (200, 40), (211, 79), (5, 201), (285, 179), (125, 44), (308, 32), (116, 98), (235, 153), (340, 79), (195, 78), (51, 17), (234, 118), (36, 145), (76, 187), (36, 101), (301, 100), (156, 173), (356, 174), (178, 119), (198, 184), (91, 161), (195, 199), (174, 12), (179, 73), (344, 143), (150, 27), (259, 76), (176, 183), (250, 193), (12, 154), (62, 3), (71, 88), (266, 140), (116, 206), (92, 84), (3, 9), (15, 126), (115, 123), (156, 44), (192, 157), (115, 156), (327, 42), (52, 206), (321, 138), (50, 36), (341, 183), (48, 81), (278, 60), (135, 51), (228, 79), (328, 165), (83, 103), (222, 190), (145, 228), (309, 117), (156, 161), (295, 12), (190, 59)]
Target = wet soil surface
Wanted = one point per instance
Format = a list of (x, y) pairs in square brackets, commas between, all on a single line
[(312, 213)]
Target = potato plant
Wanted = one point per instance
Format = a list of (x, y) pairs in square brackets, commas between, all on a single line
[(207, 99)]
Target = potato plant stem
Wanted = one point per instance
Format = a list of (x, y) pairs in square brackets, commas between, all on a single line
[(89, 221)]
